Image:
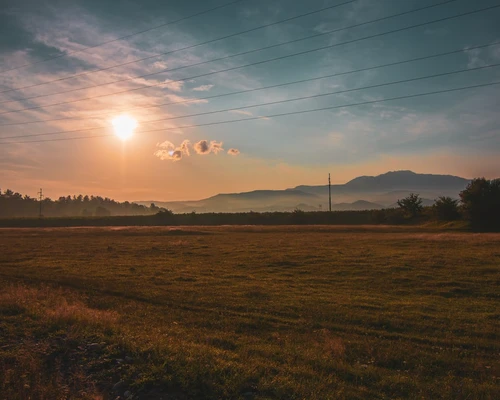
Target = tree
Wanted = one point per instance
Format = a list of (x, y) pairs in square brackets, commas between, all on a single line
[(481, 202), (411, 205), (446, 208), (102, 212)]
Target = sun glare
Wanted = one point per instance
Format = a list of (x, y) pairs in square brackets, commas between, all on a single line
[(124, 126)]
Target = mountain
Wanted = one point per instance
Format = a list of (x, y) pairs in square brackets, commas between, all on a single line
[(406, 180), (361, 193), (392, 181)]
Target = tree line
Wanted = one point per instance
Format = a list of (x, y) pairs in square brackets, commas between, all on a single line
[(13, 204), (479, 204)]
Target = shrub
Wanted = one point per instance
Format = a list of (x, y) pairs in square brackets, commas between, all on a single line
[(411, 205), (446, 209)]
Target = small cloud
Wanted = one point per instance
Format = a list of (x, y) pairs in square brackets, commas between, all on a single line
[(475, 59), (187, 101), (233, 152), (242, 112), (185, 147), (216, 147), (168, 151), (203, 88), (160, 65), (174, 86), (203, 147)]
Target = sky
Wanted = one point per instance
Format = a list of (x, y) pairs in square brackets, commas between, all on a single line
[(181, 150)]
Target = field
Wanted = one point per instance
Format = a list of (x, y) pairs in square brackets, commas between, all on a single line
[(249, 313)]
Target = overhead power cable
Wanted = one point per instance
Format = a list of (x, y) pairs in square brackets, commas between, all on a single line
[(461, 50), (260, 62), (270, 103), (122, 37), (278, 115), (188, 47), (221, 58)]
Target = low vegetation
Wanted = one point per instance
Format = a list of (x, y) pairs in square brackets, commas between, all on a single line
[(479, 209), (249, 313)]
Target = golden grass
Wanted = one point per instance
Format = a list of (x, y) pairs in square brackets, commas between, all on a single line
[(261, 312), (24, 367), (54, 306)]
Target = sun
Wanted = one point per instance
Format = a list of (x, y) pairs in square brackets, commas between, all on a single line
[(124, 126)]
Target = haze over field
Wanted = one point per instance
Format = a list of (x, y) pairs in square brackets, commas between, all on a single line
[(157, 103)]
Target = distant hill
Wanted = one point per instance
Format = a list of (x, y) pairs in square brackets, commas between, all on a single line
[(405, 180), (361, 193), (391, 181)]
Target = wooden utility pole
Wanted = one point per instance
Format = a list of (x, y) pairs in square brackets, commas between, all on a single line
[(40, 199), (329, 193)]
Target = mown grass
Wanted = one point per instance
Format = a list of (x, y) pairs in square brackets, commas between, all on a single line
[(249, 313)]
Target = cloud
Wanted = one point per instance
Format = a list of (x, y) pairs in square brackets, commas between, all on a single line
[(175, 86), (241, 112), (168, 151), (185, 147), (475, 59), (203, 147), (216, 147), (482, 57), (203, 88)]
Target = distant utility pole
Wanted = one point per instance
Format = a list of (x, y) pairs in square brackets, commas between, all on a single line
[(40, 199), (329, 193)]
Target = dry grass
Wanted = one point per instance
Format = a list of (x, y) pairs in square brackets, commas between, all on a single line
[(254, 313), (55, 306), (32, 363)]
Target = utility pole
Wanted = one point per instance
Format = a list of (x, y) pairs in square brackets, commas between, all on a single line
[(329, 193), (40, 199)]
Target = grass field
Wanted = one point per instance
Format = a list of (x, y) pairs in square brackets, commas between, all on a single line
[(249, 313)]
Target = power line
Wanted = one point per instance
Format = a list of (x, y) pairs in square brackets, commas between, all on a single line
[(259, 62), (276, 115), (265, 87), (272, 102), (220, 58), (187, 47), (123, 37)]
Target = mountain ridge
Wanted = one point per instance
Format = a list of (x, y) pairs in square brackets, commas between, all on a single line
[(363, 192)]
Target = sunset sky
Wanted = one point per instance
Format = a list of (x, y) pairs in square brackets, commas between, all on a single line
[(451, 133)]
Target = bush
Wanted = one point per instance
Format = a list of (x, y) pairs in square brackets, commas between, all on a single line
[(411, 205), (446, 209)]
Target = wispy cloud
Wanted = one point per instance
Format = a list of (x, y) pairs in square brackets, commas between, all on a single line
[(241, 112), (173, 85), (233, 152), (203, 88)]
